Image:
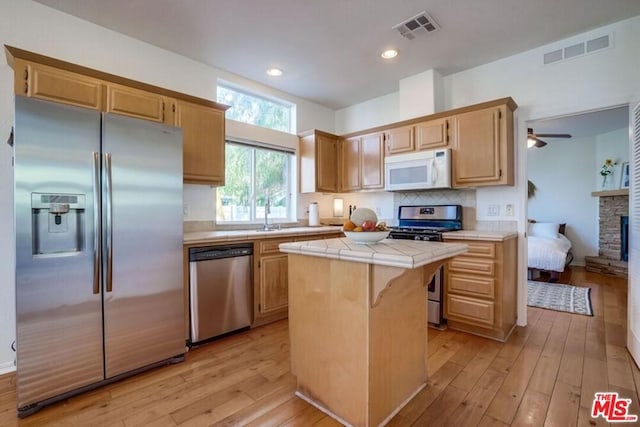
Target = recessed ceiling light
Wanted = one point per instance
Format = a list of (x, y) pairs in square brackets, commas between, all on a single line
[(389, 54), (274, 72)]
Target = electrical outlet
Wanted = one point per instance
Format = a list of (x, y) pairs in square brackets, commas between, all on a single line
[(185, 209), (493, 210), (508, 209), (378, 211)]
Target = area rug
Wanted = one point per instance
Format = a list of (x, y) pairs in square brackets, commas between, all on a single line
[(554, 296)]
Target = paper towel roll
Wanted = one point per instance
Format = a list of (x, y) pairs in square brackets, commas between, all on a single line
[(314, 219)]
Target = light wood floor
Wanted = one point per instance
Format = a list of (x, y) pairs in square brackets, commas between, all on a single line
[(546, 374)]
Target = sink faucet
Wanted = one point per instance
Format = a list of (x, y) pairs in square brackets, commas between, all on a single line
[(267, 211)]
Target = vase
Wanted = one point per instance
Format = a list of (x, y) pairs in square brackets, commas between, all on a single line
[(604, 181)]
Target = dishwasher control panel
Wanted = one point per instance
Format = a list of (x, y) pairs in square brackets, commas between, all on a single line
[(217, 252)]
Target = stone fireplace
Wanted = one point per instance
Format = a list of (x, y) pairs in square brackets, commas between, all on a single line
[(613, 208)]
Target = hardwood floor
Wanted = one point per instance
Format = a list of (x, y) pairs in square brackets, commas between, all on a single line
[(546, 374)]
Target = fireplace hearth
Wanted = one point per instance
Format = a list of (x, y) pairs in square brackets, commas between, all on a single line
[(613, 237)]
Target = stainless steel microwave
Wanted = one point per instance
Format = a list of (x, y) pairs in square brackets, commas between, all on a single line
[(420, 170)]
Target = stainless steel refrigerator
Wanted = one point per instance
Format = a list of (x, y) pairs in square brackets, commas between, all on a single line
[(98, 223)]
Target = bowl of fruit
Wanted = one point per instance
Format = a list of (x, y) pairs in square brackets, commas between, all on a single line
[(363, 227)]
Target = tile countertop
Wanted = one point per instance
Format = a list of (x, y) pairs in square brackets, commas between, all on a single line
[(495, 236), (197, 237), (394, 253)]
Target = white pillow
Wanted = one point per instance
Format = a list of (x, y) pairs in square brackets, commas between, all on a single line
[(544, 229)]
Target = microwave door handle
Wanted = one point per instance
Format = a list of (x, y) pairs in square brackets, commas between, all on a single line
[(434, 172)]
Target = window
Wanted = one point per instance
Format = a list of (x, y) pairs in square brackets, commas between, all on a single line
[(256, 110), (253, 174)]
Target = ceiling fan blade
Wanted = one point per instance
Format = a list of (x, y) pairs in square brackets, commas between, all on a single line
[(539, 143), (554, 135)]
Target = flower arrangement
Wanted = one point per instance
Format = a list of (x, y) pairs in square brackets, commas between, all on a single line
[(606, 170)]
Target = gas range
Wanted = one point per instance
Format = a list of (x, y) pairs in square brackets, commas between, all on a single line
[(426, 222)]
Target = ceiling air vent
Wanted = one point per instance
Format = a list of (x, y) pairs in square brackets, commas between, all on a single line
[(422, 23), (578, 49)]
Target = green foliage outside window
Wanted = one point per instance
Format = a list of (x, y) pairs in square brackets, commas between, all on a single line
[(251, 175), (255, 110)]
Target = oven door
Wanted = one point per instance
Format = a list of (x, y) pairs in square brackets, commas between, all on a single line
[(434, 297)]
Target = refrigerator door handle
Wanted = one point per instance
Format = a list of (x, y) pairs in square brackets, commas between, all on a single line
[(97, 246), (108, 213)]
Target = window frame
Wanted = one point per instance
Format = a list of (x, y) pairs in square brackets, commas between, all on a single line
[(253, 205)]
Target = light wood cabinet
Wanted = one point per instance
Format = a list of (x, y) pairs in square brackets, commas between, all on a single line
[(202, 121), (319, 162), (271, 277), (433, 134), (483, 153), (351, 164), (140, 104), (372, 169), (52, 84), (480, 290), (203, 139), (362, 162), (399, 140)]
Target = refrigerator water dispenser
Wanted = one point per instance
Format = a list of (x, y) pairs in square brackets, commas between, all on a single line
[(57, 223)]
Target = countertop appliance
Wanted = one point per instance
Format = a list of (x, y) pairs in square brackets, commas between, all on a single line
[(98, 223), (420, 170), (219, 290), (428, 222)]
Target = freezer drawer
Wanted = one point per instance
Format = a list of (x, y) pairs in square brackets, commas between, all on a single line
[(220, 290)]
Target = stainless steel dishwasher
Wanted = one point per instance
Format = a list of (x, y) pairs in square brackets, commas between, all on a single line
[(220, 290)]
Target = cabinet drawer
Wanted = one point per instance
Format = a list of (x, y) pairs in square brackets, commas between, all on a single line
[(474, 286), (470, 310), (271, 246), (463, 264), (481, 249)]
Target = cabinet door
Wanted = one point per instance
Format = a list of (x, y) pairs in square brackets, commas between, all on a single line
[(372, 161), (350, 164), (327, 164), (470, 310), (478, 151), (136, 103), (274, 289), (432, 134), (399, 140), (51, 84), (203, 143)]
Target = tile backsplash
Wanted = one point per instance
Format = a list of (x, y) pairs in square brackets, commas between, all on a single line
[(465, 198)]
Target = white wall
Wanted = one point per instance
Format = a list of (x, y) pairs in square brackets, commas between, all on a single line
[(34, 27), (563, 173), (615, 146)]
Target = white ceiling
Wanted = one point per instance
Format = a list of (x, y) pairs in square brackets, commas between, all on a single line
[(330, 49)]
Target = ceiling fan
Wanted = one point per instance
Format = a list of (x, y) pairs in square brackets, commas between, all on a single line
[(533, 139)]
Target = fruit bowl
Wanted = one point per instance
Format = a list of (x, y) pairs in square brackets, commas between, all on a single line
[(364, 237)]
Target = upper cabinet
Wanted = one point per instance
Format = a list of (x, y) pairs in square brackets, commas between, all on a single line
[(372, 161), (399, 140), (52, 84), (351, 164), (482, 150), (319, 165), (362, 162), (140, 104), (202, 121), (203, 139), (433, 134)]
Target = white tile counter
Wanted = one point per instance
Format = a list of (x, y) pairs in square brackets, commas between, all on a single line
[(494, 236), (197, 237), (389, 252)]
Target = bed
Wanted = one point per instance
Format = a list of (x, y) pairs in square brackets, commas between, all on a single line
[(549, 250)]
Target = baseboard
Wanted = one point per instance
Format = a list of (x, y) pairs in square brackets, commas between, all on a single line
[(6, 367)]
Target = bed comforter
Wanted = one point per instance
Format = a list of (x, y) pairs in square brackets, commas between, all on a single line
[(548, 253)]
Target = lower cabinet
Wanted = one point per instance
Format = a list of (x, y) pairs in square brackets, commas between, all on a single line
[(480, 293), (271, 278)]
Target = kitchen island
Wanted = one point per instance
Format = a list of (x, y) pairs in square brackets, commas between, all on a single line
[(358, 323)]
